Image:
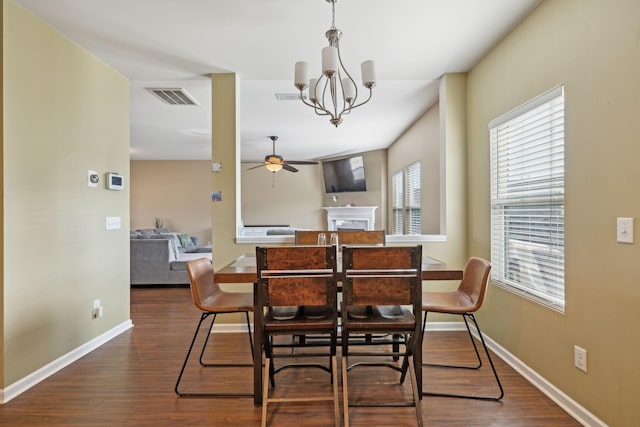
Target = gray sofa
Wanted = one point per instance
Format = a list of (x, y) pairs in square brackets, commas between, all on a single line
[(159, 257)]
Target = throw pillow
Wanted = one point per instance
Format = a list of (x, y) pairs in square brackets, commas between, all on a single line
[(185, 240)]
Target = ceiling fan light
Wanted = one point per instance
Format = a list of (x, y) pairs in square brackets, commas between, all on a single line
[(273, 167)]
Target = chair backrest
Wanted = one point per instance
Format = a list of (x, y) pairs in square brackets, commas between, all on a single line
[(203, 288), (474, 281), (382, 275), (297, 276), (345, 237)]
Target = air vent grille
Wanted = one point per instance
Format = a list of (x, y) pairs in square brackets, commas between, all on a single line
[(173, 96), (289, 96)]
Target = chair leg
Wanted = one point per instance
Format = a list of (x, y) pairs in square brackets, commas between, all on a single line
[(345, 390), (335, 385), (186, 359), (206, 341), (414, 388), (486, 351), (408, 365), (265, 390), (473, 342)]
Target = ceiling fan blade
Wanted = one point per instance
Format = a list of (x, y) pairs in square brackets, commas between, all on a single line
[(261, 165), (301, 162), (289, 168)]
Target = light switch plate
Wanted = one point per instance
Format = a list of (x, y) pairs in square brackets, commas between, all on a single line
[(625, 230), (113, 223)]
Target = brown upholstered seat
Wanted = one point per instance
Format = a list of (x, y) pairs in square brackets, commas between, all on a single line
[(465, 301), (298, 276), (374, 277), (212, 300)]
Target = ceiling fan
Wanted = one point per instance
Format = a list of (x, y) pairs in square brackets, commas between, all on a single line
[(274, 162)]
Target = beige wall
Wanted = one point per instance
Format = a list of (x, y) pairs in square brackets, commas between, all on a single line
[(593, 48), (58, 257), (296, 199), (283, 198), (421, 143), (178, 191)]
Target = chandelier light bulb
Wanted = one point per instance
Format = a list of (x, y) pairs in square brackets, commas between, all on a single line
[(330, 61), (368, 74), (313, 83), (301, 75)]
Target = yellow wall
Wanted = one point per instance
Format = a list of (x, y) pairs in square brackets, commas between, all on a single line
[(593, 48), (64, 113), (178, 191)]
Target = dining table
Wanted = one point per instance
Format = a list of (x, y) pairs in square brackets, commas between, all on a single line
[(243, 269)]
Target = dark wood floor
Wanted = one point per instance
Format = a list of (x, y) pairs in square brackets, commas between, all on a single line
[(129, 382)]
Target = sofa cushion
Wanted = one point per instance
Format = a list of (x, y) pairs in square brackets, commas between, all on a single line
[(146, 232), (181, 263), (174, 243)]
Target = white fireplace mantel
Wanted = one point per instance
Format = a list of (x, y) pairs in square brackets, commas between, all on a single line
[(351, 217)]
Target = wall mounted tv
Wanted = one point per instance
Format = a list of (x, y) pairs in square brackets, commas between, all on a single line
[(344, 175)]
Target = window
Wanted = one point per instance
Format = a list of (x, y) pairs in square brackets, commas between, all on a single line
[(527, 199), (406, 200)]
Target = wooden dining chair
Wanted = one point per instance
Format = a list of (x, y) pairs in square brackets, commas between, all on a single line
[(345, 237), (374, 277), (298, 276), (211, 300), (465, 301)]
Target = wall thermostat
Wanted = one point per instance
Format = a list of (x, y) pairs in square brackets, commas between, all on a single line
[(114, 181)]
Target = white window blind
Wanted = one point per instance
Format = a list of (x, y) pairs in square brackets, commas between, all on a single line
[(412, 182), (398, 197), (527, 199), (406, 199)]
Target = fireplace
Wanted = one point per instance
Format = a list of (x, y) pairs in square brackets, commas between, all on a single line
[(351, 217)]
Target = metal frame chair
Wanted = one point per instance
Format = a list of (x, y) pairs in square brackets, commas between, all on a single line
[(298, 276), (465, 301), (212, 300), (374, 277)]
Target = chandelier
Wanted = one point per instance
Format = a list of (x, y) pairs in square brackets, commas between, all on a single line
[(334, 93)]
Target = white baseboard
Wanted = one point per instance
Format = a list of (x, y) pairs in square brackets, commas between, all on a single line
[(46, 371), (578, 412)]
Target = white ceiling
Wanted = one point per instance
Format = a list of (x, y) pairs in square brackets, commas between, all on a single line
[(178, 43)]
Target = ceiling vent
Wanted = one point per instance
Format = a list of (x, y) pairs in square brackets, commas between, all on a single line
[(289, 96), (173, 96)]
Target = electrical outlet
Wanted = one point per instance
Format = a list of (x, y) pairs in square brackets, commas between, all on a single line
[(580, 358)]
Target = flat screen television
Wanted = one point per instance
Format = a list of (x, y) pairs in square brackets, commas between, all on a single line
[(344, 175)]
